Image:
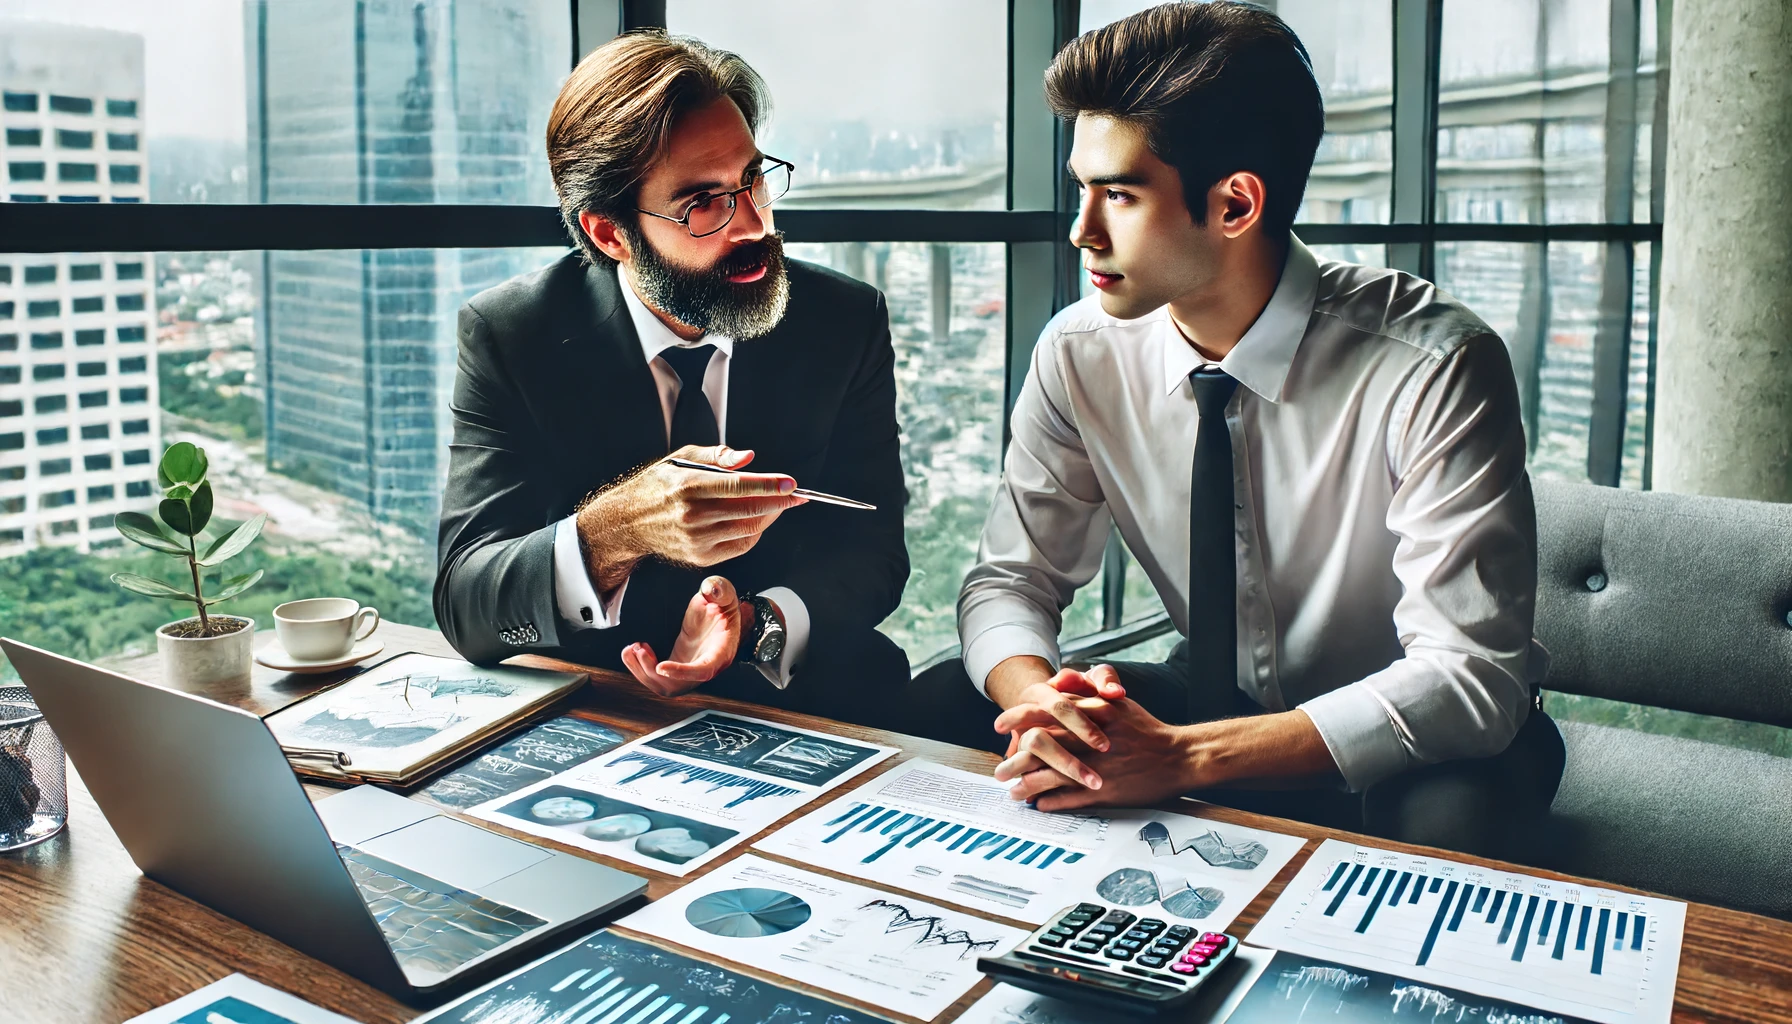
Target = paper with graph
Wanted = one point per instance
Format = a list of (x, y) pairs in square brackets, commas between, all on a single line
[(675, 799), (1561, 947), (890, 951), (958, 836)]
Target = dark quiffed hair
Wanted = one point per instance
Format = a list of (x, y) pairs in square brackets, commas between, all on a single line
[(616, 111), (1217, 88)]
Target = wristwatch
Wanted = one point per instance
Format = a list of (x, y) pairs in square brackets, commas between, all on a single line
[(762, 632)]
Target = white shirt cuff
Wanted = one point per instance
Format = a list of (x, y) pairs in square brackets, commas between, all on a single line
[(1359, 733), (573, 592), (999, 643), (796, 635)]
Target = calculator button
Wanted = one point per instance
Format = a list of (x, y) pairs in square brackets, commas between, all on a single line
[(1116, 953), (1194, 959), (1090, 909), (1137, 933), (1130, 945), (1179, 931), (1215, 938), (1062, 931), (1087, 947), (1150, 960), (1121, 917), (1181, 968), (1054, 941), (1152, 924)]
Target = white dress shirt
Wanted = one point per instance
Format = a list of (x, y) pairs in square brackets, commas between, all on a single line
[(578, 600), (1385, 534)]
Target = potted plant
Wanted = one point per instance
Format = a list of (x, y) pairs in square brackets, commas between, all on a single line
[(204, 649)]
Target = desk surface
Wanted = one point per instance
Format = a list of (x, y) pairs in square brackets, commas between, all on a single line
[(85, 938)]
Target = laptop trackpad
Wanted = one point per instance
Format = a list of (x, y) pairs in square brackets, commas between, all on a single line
[(454, 852)]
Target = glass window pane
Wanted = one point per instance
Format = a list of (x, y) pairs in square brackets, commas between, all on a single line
[(301, 101), (948, 325), (893, 105), (1351, 44), (1636, 392)]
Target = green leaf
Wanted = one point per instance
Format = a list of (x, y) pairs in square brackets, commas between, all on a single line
[(201, 507), (179, 492), (178, 517), (182, 463), (232, 544), (139, 528), (234, 586), (149, 588)]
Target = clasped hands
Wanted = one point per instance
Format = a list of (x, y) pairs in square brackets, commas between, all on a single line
[(1076, 740), (690, 518)]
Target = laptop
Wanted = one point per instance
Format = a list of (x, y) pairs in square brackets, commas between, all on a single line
[(387, 889)]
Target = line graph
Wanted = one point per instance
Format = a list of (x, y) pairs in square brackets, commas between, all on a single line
[(933, 930), (654, 765)]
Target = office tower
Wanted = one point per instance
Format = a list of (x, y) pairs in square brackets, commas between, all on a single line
[(421, 101), (79, 431)]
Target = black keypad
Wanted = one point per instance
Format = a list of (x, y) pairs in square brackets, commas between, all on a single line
[(1151, 960), (1115, 953), (1087, 947), (1053, 941)]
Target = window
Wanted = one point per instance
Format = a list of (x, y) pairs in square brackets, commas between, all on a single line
[(129, 271), (54, 467), (50, 403), (91, 370), (121, 140), (24, 137), (21, 197), (92, 304), (9, 375), (874, 103), (135, 426), (41, 274), (86, 272), (127, 396), (137, 489), (56, 499), (49, 339), (100, 522), (125, 199), (127, 335), (90, 336), (121, 108), (93, 399), (6, 309), (5, 273), (96, 432), (12, 407), (43, 308), (9, 342), (12, 506), (77, 199), (53, 435), (95, 463), (66, 139), (64, 527), (48, 371), (10, 443), (77, 172), (130, 303), (125, 174), (133, 364), (139, 457), (100, 492), (12, 536), (20, 102), (71, 104), (26, 170)]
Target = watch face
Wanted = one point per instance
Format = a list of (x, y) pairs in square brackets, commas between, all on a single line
[(771, 647)]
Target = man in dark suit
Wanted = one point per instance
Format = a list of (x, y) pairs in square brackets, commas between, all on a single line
[(678, 329)]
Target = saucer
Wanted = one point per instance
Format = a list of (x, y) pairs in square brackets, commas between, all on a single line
[(274, 656)]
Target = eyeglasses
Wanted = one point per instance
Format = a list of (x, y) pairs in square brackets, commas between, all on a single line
[(710, 212)]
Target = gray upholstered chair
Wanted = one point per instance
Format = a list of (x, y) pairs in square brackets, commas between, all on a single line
[(1673, 602)]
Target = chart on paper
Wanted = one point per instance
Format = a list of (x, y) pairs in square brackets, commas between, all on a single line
[(1590, 952)]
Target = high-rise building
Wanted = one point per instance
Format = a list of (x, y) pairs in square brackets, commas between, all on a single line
[(377, 103), (79, 431)]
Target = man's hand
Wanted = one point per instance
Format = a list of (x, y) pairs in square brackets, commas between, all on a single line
[(1070, 703), (685, 516), (706, 644), (1147, 761)]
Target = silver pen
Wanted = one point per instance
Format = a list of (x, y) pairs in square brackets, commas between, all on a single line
[(801, 492)]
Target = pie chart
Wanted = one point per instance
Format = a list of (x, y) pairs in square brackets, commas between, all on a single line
[(747, 913)]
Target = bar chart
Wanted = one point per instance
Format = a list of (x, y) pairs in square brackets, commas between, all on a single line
[(1593, 953), (888, 828)]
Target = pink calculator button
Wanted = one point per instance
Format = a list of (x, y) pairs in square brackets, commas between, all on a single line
[(1181, 968), (1194, 958)]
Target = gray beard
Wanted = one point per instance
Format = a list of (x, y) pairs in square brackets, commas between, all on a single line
[(707, 300)]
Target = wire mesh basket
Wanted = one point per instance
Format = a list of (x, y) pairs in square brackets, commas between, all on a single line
[(33, 774)]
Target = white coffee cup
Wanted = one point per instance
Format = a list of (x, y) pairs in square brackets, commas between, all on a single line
[(320, 628)]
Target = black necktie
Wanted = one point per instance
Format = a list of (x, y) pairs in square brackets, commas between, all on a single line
[(693, 421), (1212, 581)]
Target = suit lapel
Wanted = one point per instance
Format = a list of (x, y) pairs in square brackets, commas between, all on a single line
[(606, 399)]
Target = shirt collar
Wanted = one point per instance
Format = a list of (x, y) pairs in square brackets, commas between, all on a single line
[(1261, 359), (655, 336)]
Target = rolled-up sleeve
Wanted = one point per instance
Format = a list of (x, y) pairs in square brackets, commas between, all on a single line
[(1466, 558), (1045, 533)]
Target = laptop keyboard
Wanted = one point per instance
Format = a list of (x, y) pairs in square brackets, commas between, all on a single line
[(435, 929)]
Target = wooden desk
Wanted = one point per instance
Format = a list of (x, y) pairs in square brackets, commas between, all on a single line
[(85, 938)]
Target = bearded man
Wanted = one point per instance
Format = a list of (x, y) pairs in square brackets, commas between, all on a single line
[(678, 330)]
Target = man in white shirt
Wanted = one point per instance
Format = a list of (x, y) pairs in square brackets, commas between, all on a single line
[(678, 330), (1320, 467)]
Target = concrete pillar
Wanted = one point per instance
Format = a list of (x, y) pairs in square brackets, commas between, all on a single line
[(941, 280), (1723, 407)]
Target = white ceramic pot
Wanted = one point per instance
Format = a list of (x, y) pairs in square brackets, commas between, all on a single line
[(209, 660)]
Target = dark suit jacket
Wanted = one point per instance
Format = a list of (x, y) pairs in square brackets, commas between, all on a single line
[(553, 400)]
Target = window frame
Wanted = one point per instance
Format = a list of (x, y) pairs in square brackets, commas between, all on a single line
[(1042, 275)]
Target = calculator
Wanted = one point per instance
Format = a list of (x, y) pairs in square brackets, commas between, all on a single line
[(1110, 957)]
